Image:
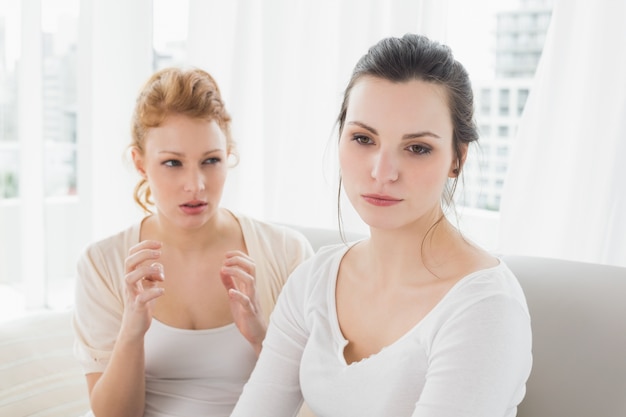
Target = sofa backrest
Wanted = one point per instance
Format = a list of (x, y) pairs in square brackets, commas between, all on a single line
[(578, 316)]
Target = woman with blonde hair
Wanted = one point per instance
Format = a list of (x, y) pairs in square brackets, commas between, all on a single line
[(171, 312)]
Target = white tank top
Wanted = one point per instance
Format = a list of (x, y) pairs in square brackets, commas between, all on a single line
[(195, 372)]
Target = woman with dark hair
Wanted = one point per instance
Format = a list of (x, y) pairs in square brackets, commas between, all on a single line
[(414, 320), (171, 312)]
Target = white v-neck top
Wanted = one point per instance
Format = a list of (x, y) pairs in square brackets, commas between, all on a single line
[(470, 356)]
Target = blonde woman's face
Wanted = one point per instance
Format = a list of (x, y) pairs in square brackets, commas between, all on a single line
[(185, 164), (396, 152)]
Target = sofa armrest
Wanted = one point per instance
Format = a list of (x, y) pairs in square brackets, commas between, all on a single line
[(39, 374)]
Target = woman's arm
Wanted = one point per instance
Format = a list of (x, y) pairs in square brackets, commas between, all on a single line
[(119, 390), (274, 386)]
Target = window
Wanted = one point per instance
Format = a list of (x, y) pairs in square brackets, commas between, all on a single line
[(9, 185), (485, 108), (37, 123), (503, 101), (513, 37), (522, 96), (62, 185), (9, 145), (485, 95), (59, 30), (169, 32)]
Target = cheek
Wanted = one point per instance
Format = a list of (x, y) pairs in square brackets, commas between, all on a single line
[(156, 177), (349, 161), (431, 174), (217, 176)]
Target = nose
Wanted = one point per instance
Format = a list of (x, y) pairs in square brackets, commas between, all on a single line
[(194, 181), (385, 166)]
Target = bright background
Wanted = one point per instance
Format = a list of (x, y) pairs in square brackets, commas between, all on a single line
[(545, 181)]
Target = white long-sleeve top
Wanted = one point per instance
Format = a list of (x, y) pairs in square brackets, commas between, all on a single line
[(469, 357)]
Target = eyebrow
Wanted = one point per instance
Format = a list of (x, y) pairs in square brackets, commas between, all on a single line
[(182, 154), (404, 137)]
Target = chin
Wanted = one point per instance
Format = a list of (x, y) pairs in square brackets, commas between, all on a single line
[(386, 221)]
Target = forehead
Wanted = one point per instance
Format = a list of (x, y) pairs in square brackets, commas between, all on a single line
[(413, 104), (180, 131)]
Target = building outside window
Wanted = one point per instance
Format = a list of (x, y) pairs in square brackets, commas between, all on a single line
[(519, 35), (9, 145)]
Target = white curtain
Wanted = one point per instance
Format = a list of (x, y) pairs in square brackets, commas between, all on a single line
[(282, 66), (565, 195)]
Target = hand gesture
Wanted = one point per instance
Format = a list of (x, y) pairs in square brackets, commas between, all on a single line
[(143, 273), (238, 276)]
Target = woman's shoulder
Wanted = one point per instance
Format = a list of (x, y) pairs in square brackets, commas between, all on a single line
[(498, 276), (270, 233), (492, 284), (325, 263)]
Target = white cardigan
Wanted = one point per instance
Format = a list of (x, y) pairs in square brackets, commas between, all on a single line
[(277, 250)]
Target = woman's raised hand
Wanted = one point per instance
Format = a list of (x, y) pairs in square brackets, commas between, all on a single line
[(143, 273), (238, 276)]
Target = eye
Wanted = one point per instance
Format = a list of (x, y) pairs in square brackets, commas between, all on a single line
[(212, 161), (362, 140), (419, 149), (172, 163)]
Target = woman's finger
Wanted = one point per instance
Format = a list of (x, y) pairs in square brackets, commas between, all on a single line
[(242, 300), (238, 279), (150, 273), (147, 250), (240, 259), (144, 297)]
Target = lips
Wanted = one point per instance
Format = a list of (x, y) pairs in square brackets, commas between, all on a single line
[(193, 207), (381, 199), (194, 204)]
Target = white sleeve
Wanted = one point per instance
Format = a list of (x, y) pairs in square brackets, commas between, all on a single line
[(273, 389), (98, 306), (480, 361)]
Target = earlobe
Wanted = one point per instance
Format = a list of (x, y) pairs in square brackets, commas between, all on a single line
[(455, 169)]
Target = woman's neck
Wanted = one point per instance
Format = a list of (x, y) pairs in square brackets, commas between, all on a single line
[(412, 251), (188, 240)]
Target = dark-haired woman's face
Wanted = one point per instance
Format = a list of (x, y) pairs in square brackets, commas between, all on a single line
[(395, 151)]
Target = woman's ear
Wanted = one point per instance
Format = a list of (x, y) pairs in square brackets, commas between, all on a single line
[(457, 163), (138, 161)]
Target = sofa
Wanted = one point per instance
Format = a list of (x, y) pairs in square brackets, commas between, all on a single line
[(579, 345)]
